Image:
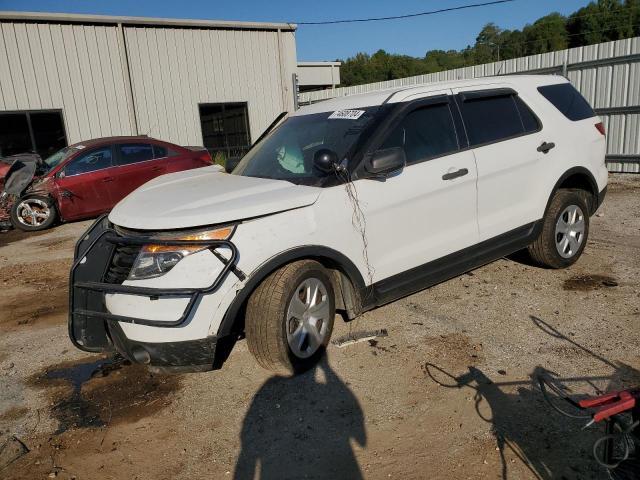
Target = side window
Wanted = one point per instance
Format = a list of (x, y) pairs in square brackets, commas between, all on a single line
[(90, 162), (529, 121), (134, 153), (488, 119), (159, 151), (568, 100), (424, 133)]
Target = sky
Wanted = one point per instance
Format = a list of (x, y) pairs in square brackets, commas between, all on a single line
[(414, 36)]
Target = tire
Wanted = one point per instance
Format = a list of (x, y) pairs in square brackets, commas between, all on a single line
[(565, 230), (276, 337), (43, 209)]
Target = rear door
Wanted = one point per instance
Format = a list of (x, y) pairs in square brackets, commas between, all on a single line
[(84, 184), (505, 135), (137, 165), (184, 158)]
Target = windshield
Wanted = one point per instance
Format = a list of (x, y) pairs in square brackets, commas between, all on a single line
[(61, 155), (287, 152)]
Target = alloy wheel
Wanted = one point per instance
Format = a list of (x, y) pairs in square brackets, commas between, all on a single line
[(308, 318), (33, 212), (570, 228)]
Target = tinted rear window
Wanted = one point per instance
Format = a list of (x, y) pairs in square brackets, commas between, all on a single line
[(489, 119), (568, 100)]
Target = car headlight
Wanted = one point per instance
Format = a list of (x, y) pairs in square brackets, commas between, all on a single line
[(154, 260)]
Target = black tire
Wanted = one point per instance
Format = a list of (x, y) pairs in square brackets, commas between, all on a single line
[(44, 204), (544, 249), (266, 319)]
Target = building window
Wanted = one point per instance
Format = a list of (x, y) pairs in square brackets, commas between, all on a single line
[(34, 131), (225, 129)]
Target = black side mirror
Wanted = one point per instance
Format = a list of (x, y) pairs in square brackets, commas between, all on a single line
[(326, 160), (385, 161), (231, 163)]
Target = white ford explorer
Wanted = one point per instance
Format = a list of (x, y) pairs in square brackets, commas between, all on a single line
[(346, 205)]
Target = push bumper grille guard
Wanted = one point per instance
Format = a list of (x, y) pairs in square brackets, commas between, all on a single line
[(92, 260)]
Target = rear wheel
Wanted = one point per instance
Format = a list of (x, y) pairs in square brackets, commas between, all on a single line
[(565, 230), (33, 213), (290, 316)]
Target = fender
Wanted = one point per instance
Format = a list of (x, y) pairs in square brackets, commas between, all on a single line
[(323, 254), (576, 171)]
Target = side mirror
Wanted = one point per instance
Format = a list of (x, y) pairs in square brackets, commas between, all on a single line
[(231, 163), (326, 160), (388, 160)]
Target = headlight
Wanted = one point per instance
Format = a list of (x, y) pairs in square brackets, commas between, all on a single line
[(156, 260)]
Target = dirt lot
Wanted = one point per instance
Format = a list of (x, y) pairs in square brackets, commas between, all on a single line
[(448, 394)]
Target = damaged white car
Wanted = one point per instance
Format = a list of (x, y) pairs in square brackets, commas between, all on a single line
[(347, 205)]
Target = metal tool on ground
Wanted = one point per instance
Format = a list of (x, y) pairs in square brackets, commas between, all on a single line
[(618, 450)]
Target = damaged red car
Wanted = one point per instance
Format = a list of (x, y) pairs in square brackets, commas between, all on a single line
[(87, 179)]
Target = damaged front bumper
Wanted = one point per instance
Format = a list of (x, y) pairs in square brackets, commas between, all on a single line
[(93, 328)]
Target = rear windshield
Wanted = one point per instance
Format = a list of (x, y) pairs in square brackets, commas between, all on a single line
[(568, 100)]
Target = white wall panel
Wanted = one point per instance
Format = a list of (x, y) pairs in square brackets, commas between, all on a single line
[(75, 68), (173, 70)]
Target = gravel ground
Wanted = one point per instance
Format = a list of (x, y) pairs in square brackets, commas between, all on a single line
[(447, 394)]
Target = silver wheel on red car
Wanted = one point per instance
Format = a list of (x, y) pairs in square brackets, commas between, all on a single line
[(33, 213), (289, 317)]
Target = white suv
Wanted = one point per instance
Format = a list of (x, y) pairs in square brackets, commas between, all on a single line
[(346, 205)]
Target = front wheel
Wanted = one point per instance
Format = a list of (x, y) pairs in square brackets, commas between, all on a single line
[(290, 316), (33, 213), (565, 230)]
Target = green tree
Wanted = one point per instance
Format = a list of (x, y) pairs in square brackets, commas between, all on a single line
[(599, 21)]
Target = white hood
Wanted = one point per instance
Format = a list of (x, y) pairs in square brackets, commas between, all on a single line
[(206, 196)]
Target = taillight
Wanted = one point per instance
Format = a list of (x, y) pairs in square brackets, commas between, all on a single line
[(600, 128)]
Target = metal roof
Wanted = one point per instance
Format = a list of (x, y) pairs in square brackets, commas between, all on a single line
[(45, 17)]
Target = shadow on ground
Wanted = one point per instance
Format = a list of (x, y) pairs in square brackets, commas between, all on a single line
[(524, 425), (302, 427)]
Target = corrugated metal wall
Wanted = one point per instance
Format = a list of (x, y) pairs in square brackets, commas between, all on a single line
[(76, 68), (607, 74), (101, 76), (175, 69)]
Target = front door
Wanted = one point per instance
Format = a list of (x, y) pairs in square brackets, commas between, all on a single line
[(84, 185), (427, 210)]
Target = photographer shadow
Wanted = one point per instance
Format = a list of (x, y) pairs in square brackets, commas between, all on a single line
[(300, 427)]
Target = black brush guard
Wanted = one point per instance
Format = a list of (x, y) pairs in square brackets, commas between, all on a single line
[(88, 315)]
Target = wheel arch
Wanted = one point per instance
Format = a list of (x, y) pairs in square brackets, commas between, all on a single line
[(577, 178), (347, 280)]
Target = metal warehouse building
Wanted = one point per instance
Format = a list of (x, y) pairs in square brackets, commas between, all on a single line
[(67, 78)]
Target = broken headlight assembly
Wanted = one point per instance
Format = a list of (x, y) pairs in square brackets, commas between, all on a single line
[(154, 260)]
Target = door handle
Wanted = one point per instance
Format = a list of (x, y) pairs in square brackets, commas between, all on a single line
[(156, 169), (107, 179), (546, 146), (458, 173)]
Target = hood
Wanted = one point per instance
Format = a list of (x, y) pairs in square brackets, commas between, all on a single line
[(206, 196)]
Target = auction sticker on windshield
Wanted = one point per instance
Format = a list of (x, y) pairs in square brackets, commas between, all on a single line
[(347, 114)]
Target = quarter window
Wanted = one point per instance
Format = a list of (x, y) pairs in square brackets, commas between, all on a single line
[(134, 153), (424, 133), (568, 100), (90, 162)]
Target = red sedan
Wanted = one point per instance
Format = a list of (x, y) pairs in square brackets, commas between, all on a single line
[(87, 179)]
